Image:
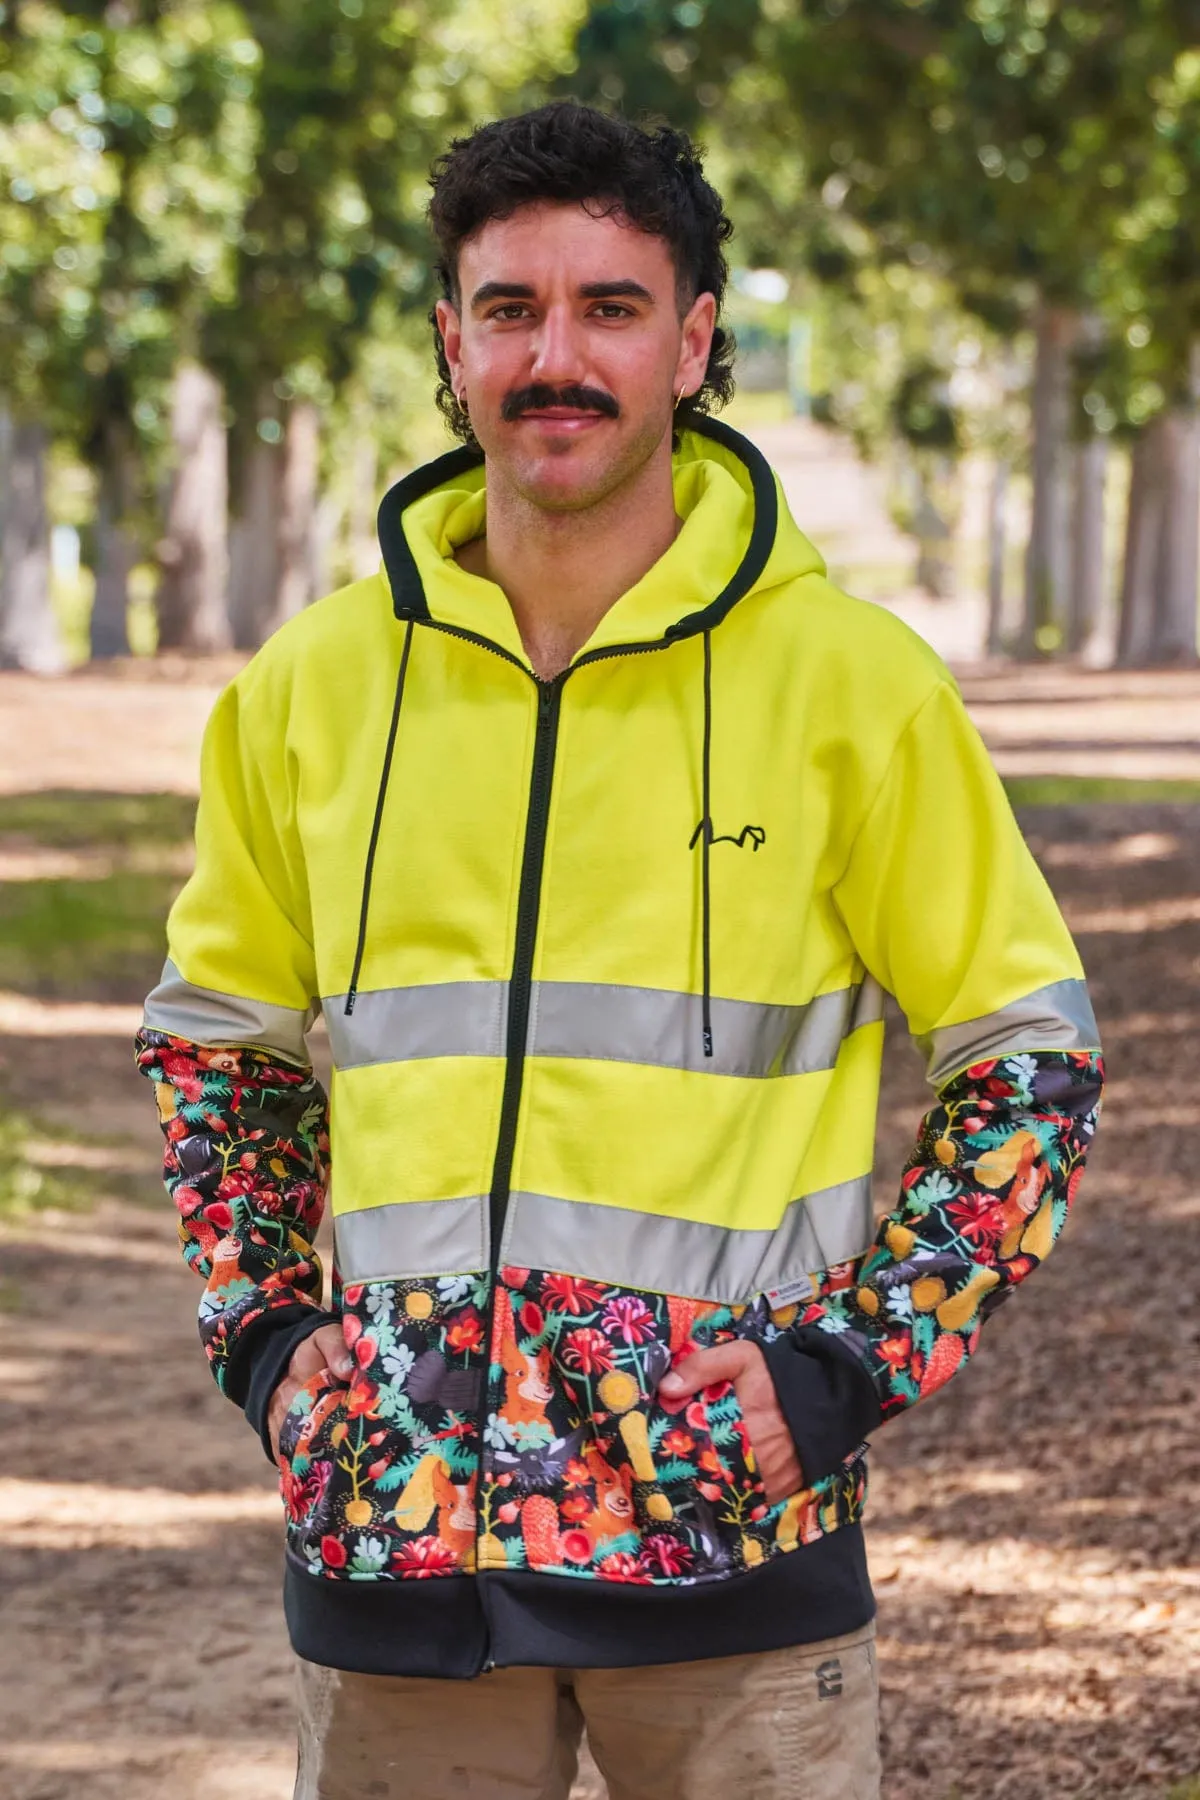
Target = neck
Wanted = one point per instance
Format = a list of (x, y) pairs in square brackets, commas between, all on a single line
[(562, 571)]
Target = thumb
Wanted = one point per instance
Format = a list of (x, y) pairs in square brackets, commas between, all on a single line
[(722, 1362), (324, 1348)]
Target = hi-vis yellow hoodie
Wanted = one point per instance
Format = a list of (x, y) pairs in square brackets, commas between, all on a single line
[(602, 963)]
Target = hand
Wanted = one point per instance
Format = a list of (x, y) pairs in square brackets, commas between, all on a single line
[(322, 1349), (744, 1364)]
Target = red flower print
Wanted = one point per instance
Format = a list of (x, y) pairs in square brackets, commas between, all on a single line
[(696, 1416), (709, 1460), (333, 1553), (577, 1473), (588, 1350), (352, 1296), (219, 1214), (576, 1546), (627, 1317), (365, 1352), (466, 1333), (678, 1443), (509, 1513), (363, 1397), (571, 1294), (514, 1278), (533, 1319), (423, 1557), (620, 1566), (352, 1328), (710, 1490), (895, 1350), (575, 1506), (664, 1555)]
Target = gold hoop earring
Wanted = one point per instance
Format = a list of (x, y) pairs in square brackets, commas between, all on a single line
[(680, 397)]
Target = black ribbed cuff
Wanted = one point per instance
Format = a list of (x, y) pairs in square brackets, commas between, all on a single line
[(827, 1397), (261, 1357)]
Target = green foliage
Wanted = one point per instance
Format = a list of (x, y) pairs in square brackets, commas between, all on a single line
[(25, 1186), (98, 936), (1088, 790), (76, 818)]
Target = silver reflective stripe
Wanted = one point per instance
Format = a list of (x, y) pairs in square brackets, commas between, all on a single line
[(682, 1256), (658, 1026), (444, 1018), (1057, 1017), (205, 1016), (602, 1022), (416, 1237)]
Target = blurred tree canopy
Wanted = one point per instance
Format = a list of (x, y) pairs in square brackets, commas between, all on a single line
[(214, 270)]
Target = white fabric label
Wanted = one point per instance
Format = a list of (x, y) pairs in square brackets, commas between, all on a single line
[(799, 1289)]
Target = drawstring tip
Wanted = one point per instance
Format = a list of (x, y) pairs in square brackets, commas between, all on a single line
[(707, 1040), (351, 997)]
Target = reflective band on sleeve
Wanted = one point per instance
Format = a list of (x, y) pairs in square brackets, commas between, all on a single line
[(600, 1022), (1057, 1017), (204, 1016), (683, 1256), (404, 1024), (417, 1237)]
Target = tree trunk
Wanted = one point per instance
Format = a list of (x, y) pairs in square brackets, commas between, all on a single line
[(1143, 547), (297, 508), (193, 553), (1047, 561), (996, 546), (1176, 616), (253, 545), (29, 636), (116, 550), (1086, 605), (364, 500)]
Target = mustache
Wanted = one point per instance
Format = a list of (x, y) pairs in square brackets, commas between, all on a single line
[(539, 394)]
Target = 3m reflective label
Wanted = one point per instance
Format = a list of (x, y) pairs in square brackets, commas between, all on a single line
[(682, 1256), (204, 1016), (1057, 1017), (600, 1022)]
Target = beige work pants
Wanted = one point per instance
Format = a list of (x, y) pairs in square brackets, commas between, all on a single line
[(796, 1724)]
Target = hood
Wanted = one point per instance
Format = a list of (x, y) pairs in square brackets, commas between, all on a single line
[(737, 538)]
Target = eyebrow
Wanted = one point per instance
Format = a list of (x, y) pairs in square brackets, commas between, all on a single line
[(591, 290)]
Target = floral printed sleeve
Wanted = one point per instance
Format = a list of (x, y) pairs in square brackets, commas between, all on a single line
[(983, 1199), (247, 1158)]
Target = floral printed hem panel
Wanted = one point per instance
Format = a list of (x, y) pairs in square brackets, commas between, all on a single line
[(580, 1469), (549, 1449)]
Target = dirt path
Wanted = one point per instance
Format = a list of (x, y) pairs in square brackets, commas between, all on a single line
[(1033, 1530)]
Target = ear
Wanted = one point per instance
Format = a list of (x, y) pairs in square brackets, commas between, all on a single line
[(695, 342), (449, 325)]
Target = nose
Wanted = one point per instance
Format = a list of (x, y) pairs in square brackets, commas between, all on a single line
[(558, 351)]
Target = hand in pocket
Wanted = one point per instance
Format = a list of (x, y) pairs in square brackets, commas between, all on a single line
[(744, 1364), (323, 1349)]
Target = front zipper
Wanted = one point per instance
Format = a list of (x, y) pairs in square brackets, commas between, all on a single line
[(529, 899)]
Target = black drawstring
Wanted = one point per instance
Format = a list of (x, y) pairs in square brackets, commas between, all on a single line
[(706, 836), (369, 867)]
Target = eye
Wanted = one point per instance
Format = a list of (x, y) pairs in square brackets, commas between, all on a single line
[(511, 309), (612, 309)]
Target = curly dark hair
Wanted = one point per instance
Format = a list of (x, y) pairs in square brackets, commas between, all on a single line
[(570, 152)]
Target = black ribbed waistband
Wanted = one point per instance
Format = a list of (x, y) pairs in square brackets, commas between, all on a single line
[(453, 1627)]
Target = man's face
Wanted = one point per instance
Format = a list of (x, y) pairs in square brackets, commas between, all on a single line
[(569, 350)]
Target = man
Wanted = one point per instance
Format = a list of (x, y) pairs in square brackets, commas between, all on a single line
[(596, 825)]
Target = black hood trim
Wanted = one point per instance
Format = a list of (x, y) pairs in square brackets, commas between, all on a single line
[(408, 593)]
